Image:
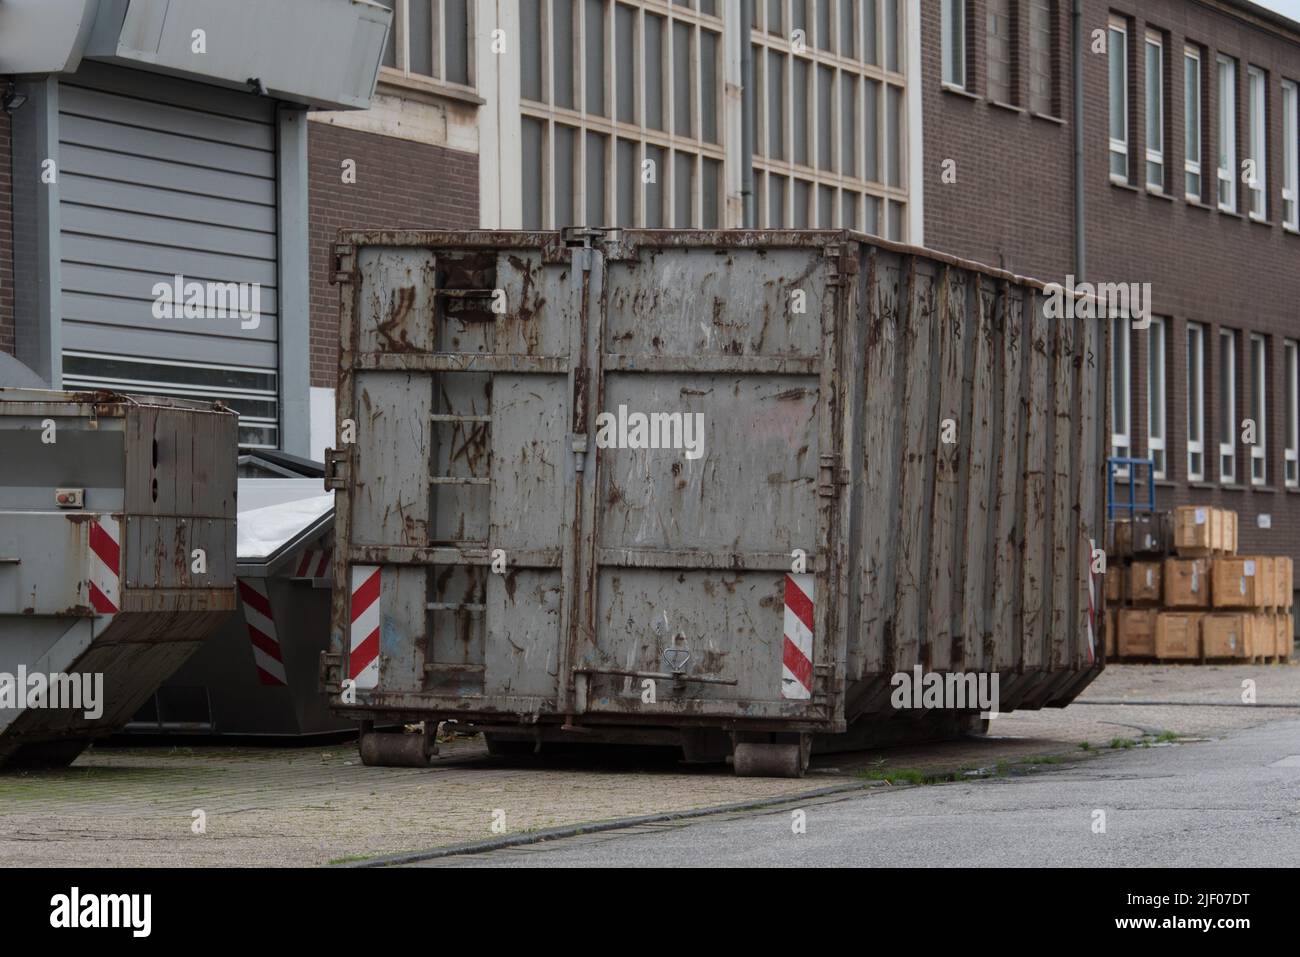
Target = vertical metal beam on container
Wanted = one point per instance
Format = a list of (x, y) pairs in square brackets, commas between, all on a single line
[(38, 307)]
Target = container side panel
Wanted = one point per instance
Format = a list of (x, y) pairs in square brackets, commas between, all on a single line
[(398, 292), (531, 470), (1006, 593), (916, 465), (390, 494), (1037, 555), (978, 529), (1065, 528)]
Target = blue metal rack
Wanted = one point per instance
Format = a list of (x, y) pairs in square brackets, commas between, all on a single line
[(1132, 506)]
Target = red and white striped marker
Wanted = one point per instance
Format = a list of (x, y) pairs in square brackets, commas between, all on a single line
[(363, 650), (261, 632), (104, 579), (797, 648), (314, 564)]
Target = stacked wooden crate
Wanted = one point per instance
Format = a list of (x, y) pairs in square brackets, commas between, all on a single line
[(1176, 590)]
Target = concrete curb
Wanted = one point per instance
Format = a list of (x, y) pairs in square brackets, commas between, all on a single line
[(573, 830)]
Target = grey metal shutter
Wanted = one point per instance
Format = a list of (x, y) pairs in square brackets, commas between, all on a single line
[(162, 177)]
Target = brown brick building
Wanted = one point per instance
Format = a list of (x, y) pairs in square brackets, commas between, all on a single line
[(1177, 96)]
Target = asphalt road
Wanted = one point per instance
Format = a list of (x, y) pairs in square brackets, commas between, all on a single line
[(1232, 801)]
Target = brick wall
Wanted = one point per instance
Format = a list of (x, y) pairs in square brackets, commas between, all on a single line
[(6, 237), (400, 185), (1012, 205)]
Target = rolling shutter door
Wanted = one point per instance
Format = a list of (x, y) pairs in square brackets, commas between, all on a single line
[(163, 178)]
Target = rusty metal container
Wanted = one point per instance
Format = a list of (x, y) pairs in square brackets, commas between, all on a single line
[(915, 425), (117, 556)]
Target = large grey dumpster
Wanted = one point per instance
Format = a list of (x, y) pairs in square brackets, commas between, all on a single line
[(117, 557), (258, 677), (534, 541)]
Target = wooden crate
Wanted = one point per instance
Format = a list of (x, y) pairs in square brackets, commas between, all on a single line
[(1235, 582), (1227, 635), (1285, 635), (1229, 542), (1137, 632), (1191, 525), (1178, 634), (1186, 582), (1284, 579), (1266, 587), (1111, 645), (1115, 584), (1142, 585)]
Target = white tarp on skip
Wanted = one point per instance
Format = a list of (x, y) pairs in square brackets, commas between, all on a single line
[(273, 512)]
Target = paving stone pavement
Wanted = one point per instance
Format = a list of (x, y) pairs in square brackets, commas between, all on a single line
[(312, 806)]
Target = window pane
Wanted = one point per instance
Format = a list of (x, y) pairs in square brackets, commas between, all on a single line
[(709, 86), (594, 38), (775, 202), (712, 187), (825, 80), (456, 16), (654, 72), (894, 136), (892, 60), (629, 179), (825, 207), (848, 125), (624, 60), (682, 113), (419, 36), (871, 141), (566, 162), (533, 166), (999, 51), (652, 187), (800, 111), (1041, 70), (1118, 82), (802, 197), (562, 51), (870, 42), (895, 232), (530, 51), (823, 12), (1192, 108), (390, 45), (775, 105), (1155, 98), (596, 165), (684, 190), (848, 47)]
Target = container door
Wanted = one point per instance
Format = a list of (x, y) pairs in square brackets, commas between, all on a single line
[(714, 467), (461, 479)]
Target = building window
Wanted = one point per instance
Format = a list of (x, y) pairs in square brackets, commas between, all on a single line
[(1121, 413), (1227, 389), (1042, 58), (1258, 140), (1155, 89), (1192, 123), (1227, 135), (1292, 414), (830, 145), (1156, 396), (622, 108), (954, 42), (1118, 100), (1195, 402), (1259, 409), (430, 40), (1001, 52), (1291, 155)]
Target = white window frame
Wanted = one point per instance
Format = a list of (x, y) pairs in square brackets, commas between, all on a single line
[(1227, 130), (1292, 406), (1228, 450), (1259, 396), (1192, 166), (1257, 137), (1196, 401), (954, 73), (1121, 420), (1155, 154), (1291, 155), (1118, 146), (1157, 395)]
